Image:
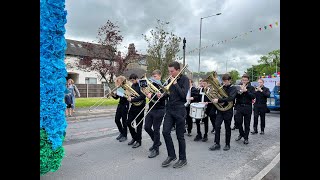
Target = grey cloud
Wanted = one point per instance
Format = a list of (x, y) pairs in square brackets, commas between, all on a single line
[(136, 17)]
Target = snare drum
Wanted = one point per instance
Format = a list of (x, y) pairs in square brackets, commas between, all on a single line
[(197, 110)]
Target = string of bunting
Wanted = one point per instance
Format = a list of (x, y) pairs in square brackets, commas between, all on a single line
[(270, 26)]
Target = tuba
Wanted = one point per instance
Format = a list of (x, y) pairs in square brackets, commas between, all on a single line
[(215, 91), (128, 91)]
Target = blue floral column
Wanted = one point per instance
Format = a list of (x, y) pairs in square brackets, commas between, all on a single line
[(52, 84)]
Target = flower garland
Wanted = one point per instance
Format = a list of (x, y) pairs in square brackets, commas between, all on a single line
[(52, 83)]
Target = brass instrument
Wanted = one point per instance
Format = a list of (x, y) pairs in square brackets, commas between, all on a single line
[(129, 92), (167, 87), (215, 91), (146, 87), (104, 98)]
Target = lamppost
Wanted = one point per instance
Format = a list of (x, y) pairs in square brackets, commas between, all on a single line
[(200, 37)]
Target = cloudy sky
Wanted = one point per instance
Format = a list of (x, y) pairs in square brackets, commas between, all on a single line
[(136, 17)]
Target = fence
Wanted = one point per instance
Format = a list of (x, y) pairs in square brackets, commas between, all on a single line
[(91, 90)]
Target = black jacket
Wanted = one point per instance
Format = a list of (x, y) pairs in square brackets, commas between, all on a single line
[(232, 93), (141, 96), (123, 100), (161, 103), (178, 93), (261, 97), (246, 97)]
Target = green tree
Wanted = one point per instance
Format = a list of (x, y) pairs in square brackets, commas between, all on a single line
[(162, 48), (268, 64), (234, 76)]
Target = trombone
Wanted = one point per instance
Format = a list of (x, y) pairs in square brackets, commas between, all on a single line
[(104, 98), (155, 91), (165, 88)]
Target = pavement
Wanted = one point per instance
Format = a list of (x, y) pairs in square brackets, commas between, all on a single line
[(86, 113)]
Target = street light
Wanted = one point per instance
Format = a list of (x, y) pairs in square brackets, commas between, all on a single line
[(200, 37)]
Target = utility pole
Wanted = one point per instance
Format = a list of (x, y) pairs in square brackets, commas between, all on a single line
[(184, 51)]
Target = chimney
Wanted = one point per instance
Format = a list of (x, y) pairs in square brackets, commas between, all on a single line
[(131, 49)]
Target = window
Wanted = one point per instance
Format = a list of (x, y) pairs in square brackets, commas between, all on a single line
[(91, 80)]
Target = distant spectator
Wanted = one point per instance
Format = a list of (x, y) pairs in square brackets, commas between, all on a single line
[(74, 91), (68, 101), (276, 89)]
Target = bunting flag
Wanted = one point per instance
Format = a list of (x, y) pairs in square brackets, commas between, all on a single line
[(224, 41)]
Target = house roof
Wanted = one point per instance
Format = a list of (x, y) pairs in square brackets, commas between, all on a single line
[(78, 48)]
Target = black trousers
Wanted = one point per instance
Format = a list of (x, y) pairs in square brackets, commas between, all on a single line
[(133, 112), (226, 117), (189, 119), (235, 121), (259, 110), (154, 118), (175, 116), (205, 121), (243, 116), (213, 116), (122, 114)]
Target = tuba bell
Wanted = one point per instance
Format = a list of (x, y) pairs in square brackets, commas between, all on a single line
[(215, 91)]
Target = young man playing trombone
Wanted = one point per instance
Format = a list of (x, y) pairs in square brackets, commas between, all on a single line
[(155, 116), (134, 111), (175, 114)]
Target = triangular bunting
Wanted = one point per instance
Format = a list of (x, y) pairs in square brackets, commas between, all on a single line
[(276, 23), (265, 27), (260, 29), (270, 25)]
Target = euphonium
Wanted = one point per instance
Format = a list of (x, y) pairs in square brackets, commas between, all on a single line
[(129, 92), (167, 87), (215, 91)]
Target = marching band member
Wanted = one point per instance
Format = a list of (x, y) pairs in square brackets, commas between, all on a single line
[(154, 117), (225, 116), (191, 97), (176, 114), (122, 111), (134, 111), (203, 99), (260, 106), (244, 108)]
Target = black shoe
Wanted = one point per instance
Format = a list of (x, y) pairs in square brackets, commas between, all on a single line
[(180, 163), (168, 161), (238, 138), (153, 153), (197, 138), (131, 142), (254, 132), (137, 144), (120, 136), (246, 141), (151, 148), (122, 139), (262, 132), (234, 128), (212, 132), (205, 138), (226, 148), (214, 147)]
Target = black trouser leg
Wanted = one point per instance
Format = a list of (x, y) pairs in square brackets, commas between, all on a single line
[(139, 127), (124, 118), (133, 112), (189, 120), (206, 125), (213, 116), (255, 118), (118, 118), (148, 124), (239, 121), (263, 117), (157, 120), (227, 117), (198, 127), (166, 132), (218, 123), (247, 120), (179, 119)]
